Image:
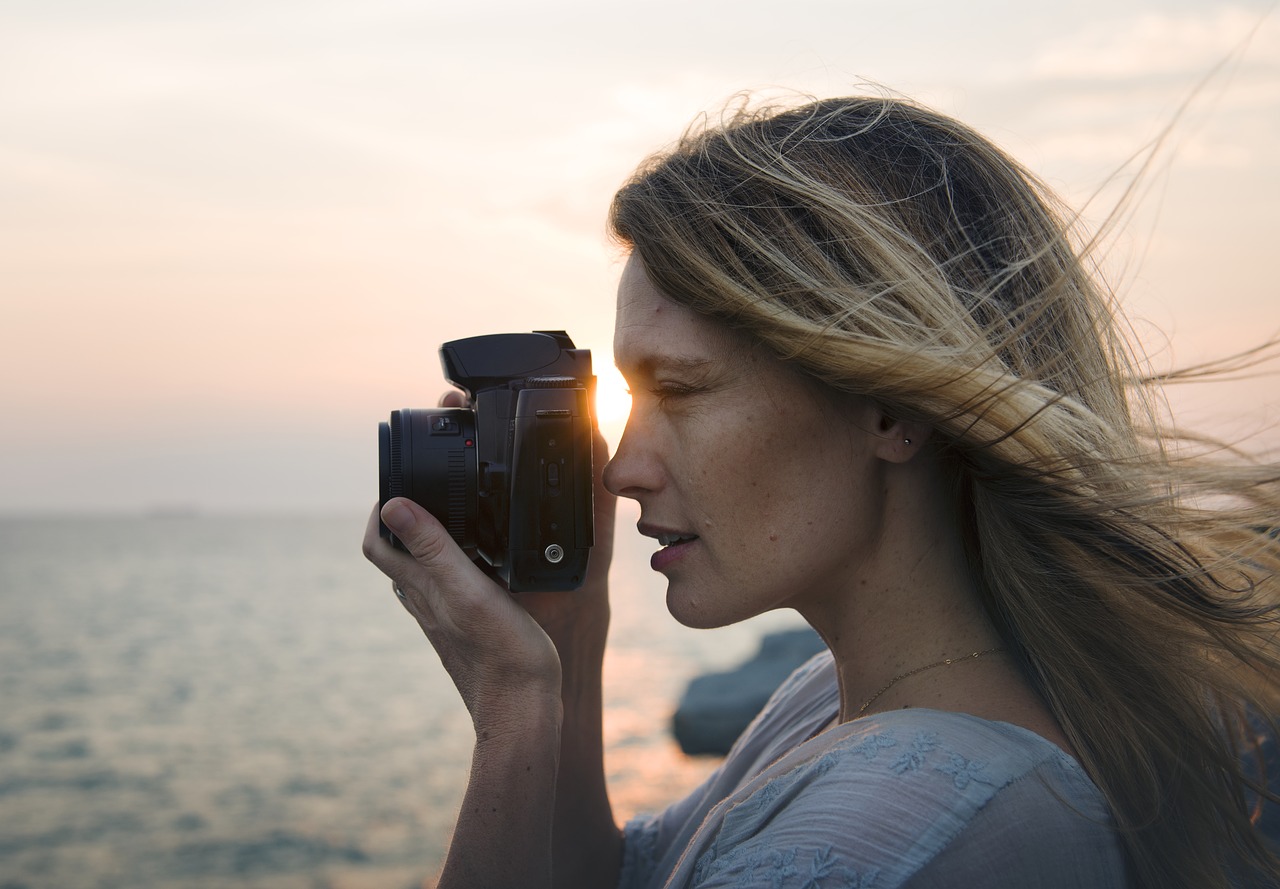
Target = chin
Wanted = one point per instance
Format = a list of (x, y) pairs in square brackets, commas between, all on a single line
[(694, 613)]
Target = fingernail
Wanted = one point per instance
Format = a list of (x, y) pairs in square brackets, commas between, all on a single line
[(397, 517)]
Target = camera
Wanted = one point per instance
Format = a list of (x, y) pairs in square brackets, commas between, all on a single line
[(510, 475)]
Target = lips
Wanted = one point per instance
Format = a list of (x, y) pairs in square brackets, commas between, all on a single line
[(675, 544)]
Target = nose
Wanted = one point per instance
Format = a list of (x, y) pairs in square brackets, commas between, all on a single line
[(634, 470)]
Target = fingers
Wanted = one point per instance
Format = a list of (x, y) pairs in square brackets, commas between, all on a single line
[(449, 596), (484, 639), (433, 559), (453, 398), (382, 554)]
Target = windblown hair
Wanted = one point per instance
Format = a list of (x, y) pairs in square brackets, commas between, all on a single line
[(891, 252)]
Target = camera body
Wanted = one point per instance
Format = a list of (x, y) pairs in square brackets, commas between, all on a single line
[(510, 476)]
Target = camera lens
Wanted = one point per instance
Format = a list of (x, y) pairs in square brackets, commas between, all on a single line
[(429, 456)]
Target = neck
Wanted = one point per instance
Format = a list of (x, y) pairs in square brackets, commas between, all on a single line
[(912, 601)]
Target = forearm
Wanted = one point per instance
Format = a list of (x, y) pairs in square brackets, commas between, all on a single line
[(541, 760), (587, 842), (503, 836)]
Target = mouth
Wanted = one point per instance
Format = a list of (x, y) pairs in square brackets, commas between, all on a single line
[(675, 544)]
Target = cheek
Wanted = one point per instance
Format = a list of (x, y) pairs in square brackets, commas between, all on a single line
[(807, 488), (761, 481)]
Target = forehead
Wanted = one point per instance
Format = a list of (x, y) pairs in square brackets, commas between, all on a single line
[(651, 330)]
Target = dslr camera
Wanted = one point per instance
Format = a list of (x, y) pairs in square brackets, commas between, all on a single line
[(510, 475)]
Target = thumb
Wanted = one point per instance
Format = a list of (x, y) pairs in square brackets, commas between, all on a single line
[(426, 539)]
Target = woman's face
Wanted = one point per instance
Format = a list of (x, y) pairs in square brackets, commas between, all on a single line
[(763, 491)]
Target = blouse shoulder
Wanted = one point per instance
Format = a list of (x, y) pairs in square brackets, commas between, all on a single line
[(910, 798), (877, 800)]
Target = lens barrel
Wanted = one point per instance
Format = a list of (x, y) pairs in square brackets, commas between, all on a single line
[(429, 456)]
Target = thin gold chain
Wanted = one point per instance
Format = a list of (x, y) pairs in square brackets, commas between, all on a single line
[(945, 662)]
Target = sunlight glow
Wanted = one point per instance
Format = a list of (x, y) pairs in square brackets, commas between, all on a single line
[(613, 403)]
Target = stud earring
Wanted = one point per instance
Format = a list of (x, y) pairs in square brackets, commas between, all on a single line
[(906, 441)]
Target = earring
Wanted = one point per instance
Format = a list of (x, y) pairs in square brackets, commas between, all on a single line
[(906, 441)]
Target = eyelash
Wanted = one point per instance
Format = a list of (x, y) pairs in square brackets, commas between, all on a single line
[(665, 391)]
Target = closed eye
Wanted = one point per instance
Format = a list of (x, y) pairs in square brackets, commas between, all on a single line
[(664, 391)]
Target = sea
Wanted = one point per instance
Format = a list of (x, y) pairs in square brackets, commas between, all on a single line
[(205, 701)]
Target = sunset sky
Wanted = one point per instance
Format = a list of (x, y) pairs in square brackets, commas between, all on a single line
[(233, 234)]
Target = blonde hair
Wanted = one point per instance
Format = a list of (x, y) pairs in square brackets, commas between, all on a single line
[(889, 251)]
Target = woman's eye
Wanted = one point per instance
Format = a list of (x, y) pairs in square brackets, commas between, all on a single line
[(661, 393), (664, 391)]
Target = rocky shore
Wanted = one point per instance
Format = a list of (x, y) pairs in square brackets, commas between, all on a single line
[(716, 707)]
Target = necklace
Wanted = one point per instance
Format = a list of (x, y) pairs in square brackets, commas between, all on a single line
[(945, 662)]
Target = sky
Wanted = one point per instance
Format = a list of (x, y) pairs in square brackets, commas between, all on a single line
[(234, 234)]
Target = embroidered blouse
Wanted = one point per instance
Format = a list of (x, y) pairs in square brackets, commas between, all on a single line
[(909, 798)]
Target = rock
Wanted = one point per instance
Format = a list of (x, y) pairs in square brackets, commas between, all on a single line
[(716, 707)]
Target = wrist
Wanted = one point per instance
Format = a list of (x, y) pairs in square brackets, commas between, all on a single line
[(580, 629), (520, 715), (510, 796)]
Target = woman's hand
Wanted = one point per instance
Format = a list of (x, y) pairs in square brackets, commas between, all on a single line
[(492, 649)]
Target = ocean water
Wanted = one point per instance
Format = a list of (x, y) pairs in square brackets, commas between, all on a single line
[(224, 701)]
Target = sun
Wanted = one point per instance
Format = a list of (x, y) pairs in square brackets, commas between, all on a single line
[(613, 403)]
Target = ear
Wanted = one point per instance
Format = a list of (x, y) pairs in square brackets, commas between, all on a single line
[(899, 440)]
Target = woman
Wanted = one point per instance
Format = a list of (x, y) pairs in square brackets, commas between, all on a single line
[(874, 382)]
